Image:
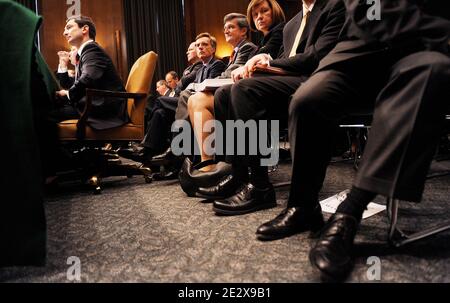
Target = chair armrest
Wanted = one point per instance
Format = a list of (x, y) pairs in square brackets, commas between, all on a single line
[(105, 93), (90, 93)]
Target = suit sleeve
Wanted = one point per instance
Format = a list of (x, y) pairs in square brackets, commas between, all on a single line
[(242, 57), (188, 79), (217, 69), (274, 45), (64, 80), (307, 62), (95, 63)]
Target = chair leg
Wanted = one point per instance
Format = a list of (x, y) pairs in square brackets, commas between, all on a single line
[(95, 183), (397, 237)]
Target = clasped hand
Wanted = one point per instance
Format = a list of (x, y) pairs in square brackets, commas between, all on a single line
[(247, 70)]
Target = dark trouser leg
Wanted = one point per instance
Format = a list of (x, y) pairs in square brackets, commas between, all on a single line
[(182, 110), (62, 113), (313, 113), (263, 98), (159, 129), (409, 114)]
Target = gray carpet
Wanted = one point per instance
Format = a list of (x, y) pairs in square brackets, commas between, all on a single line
[(137, 232)]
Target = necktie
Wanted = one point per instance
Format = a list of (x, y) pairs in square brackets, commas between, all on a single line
[(233, 54), (77, 66), (203, 74), (299, 35)]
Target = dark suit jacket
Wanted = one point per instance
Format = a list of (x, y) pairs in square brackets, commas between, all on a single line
[(320, 37), (210, 71), (65, 80), (97, 71), (405, 28), (272, 42), (188, 77), (241, 57)]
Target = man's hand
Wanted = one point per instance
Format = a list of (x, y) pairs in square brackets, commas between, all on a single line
[(261, 59), (61, 94), (63, 58), (236, 75)]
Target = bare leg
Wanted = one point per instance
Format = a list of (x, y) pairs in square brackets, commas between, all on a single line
[(201, 110)]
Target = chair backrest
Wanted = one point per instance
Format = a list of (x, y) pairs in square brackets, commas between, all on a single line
[(139, 81)]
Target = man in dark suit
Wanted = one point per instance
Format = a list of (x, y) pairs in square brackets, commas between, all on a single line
[(201, 104), (162, 113), (94, 70), (206, 45), (237, 31), (398, 66), (307, 38), (162, 88)]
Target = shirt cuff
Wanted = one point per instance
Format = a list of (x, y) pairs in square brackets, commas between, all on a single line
[(62, 70)]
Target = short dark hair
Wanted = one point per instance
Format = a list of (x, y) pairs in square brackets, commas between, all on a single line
[(211, 38), (240, 19), (83, 21), (173, 74)]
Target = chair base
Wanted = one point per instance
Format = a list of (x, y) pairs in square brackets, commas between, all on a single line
[(91, 165), (398, 238)]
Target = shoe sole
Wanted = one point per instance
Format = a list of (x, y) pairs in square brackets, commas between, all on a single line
[(267, 238), (224, 212), (327, 277), (210, 198)]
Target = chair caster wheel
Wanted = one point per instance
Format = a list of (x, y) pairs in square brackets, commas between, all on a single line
[(148, 179), (97, 190)]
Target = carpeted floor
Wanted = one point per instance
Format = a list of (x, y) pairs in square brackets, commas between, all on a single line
[(137, 232)]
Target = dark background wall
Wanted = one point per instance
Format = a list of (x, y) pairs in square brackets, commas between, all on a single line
[(129, 28)]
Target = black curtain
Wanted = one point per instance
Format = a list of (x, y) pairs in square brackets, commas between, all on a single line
[(30, 4), (156, 26)]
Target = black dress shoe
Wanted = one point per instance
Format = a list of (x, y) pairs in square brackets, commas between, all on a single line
[(143, 156), (166, 157), (166, 174), (130, 151), (291, 221), (247, 200), (332, 254), (226, 188)]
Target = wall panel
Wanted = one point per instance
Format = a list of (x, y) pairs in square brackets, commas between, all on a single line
[(108, 18)]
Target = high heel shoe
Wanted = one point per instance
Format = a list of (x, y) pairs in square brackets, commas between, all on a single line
[(191, 178)]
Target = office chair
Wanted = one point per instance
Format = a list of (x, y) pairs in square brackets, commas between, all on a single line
[(97, 160)]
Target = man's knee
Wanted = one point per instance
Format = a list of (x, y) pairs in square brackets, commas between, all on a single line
[(313, 94), (437, 63)]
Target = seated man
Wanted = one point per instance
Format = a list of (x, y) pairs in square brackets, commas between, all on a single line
[(398, 66), (162, 88), (94, 70), (162, 114), (172, 80), (237, 32), (307, 38)]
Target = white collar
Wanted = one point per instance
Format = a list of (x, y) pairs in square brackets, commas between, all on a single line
[(307, 9), (80, 50)]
